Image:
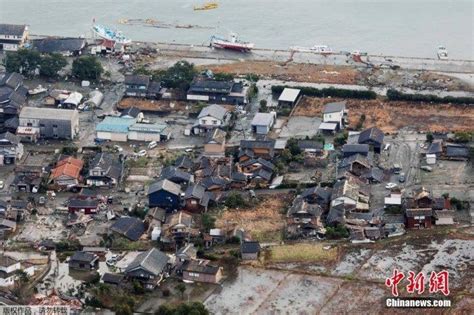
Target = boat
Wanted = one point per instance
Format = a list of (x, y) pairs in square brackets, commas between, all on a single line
[(232, 43), (206, 6), (39, 89), (109, 34), (317, 49), (442, 53)]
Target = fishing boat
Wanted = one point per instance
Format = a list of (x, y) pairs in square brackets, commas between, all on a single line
[(232, 43), (38, 90), (442, 53), (109, 34), (206, 6), (317, 49)]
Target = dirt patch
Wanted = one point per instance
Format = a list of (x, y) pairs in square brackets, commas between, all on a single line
[(392, 116), (152, 105), (302, 253), (264, 221), (299, 72)]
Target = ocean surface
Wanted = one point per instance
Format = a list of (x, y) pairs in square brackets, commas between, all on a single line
[(390, 27)]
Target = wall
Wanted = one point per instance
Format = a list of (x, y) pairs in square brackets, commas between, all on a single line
[(144, 136)]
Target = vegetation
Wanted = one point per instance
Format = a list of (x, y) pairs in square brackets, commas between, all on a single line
[(23, 61), (179, 75), (194, 308), (235, 200), (87, 68), (181, 288), (459, 204), (252, 77), (253, 91), (429, 137), (341, 138), (302, 252), (332, 92), (263, 106), (462, 137), (69, 150), (360, 123), (208, 222), (339, 231), (394, 95), (223, 76), (118, 300), (50, 65)]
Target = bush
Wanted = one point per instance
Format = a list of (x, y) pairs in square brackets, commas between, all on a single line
[(252, 77), (179, 75), (23, 61), (87, 68), (329, 92), (51, 64), (429, 137), (235, 200), (208, 221), (194, 308), (223, 76), (336, 232), (462, 137), (253, 91), (233, 240), (394, 95)]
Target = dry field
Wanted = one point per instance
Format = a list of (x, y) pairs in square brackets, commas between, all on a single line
[(302, 252), (298, 72), (392, 116), (151, 105), (264, 221)]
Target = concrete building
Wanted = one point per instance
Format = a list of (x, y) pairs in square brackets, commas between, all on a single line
[(263, 122), (289, 97), (47, 123), (149, 132), (11, 150), (335, 113), (12, 36)]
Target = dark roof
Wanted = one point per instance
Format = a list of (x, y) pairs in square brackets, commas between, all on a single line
[(153, 261), (300, 206), (183, 161), (83, 257), (137, 80), (174, 174), (109, 163), (11, 80), (252, 144), (435, 147), (132, 112), (336, 214), (12, 29), (217, 135), (334, 107), (323, 193), (265, 164), (50, 45), (200, 266), (213, 86), (154, 87), (355, 148), (131, 228), (19, 204), (355, 158), (6, 261), (264, 174), (195, 191), (239, 177), (457, 150), (371, 134), (208, 182), (165, 185), (251, 247), (114, 278), (310, 144), (9, 137), (418, 212), (375, 174), (83, 203)]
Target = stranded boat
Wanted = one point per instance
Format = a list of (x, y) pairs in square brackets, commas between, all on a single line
[(232, 43), (442, 53), (317, 49), (109, 34), (206, 6)]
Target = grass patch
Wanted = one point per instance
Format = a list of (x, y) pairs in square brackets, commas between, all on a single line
[(267, 236), (302, 253)]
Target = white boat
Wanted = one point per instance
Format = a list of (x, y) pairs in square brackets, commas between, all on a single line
[(232, 43), (39, 89), (109, 34), (442, 53), (317, 49)]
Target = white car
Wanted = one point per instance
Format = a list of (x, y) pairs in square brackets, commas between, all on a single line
[(390, 185), (141, 153), (152, 145), (118, 148), (1, 184)]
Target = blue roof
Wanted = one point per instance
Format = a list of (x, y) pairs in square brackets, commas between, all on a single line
[(115, 124)]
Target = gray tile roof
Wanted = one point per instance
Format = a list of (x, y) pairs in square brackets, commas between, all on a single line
[(334, 107), (50, 45), (175, 175), (355, 148), (8, 137), (83, 257), (215, 111), (131, 228), (137, 80), (47, 113), (153, 261), (371, 134), (250, 247), (166, 185), (12, 29)]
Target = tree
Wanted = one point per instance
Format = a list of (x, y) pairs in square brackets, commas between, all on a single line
[(51, 64), (223, 76), (235, 200), (181, 288), (292, 145), (87, 68), (194, 308), (429, 137), (179, 75), (263, 106), (462, 137), (208, 221), (23, 61)]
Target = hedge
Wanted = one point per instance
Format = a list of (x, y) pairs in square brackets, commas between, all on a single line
[(333, 92), (394, 95)]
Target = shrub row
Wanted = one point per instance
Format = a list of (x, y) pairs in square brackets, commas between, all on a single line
[(333, 92), (394, 95)]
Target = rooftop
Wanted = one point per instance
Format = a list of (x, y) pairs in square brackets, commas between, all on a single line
[(47, 113), (153, 261), (115, 124), (12, 29), (215, 111), (50, 45), (263, 119), (289, 95), (334, 107)]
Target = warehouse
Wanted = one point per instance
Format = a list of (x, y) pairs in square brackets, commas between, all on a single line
[(114, 128), (148, 132)]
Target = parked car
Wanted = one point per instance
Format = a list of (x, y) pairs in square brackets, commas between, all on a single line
[(1, 184), (152, 145), (141, 153), (189, 150), (426, 168), (118, 148), (401, 178), (397, 168), (390, 185)]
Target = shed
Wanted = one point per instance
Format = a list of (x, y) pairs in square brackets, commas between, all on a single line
[(73, 100), (249, 250), (328, 127), (95, 99), (263, 122), (289, 97), (444, 217)]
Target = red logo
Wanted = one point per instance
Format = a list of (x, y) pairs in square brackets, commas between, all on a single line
[(438, 282), (393, 281)]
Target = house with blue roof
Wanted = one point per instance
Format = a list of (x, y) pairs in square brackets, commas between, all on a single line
[(114, 128)]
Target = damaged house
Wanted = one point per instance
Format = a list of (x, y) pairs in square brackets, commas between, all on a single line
[(352, 193), (12, 99), (254, 149), (303, 219), (419, 209), (105, 170), (149, 268), (11, 150), (141, 86)]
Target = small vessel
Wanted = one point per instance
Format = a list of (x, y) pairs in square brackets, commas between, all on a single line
[(39, 89), (232, 43), (109, 34), (317, 49), (206, 6), (442, 53)]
